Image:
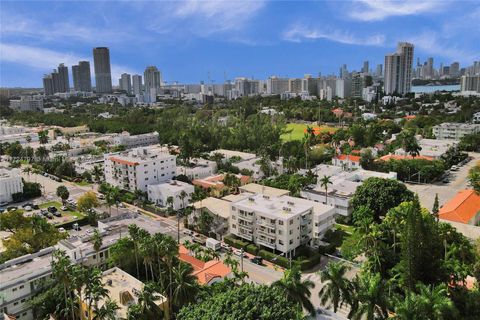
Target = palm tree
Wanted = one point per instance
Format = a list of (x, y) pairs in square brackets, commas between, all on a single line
[(324, 182), (147, 251), (61, 267), (97, 241), (296, 289), (98, 293), (158, 243), (80, 276), (435, 301), (107, 312), (184, 285), (27, 170), (406, 308), (146, 300), (41, 153), (110, 200), (335, 289), (134, 232), (371, 296), (97, 173)]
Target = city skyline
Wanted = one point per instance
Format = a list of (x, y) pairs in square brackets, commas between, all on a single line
[(232, 39)]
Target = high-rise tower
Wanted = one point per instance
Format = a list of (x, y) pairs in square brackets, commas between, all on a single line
[(103, 74)]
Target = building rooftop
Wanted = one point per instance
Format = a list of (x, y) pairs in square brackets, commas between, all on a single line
[(232, 153), (275, 207), (217, 206), (206, 272), (265, 190), (173, 186), (455, 125), (461, 208), (137, 155)]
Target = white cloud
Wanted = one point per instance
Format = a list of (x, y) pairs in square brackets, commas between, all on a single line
[(203, 17), (299, 33), (45, 59), (430, 42), (374, 10)]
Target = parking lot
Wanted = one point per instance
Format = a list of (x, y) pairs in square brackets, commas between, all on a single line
[(458, 181)]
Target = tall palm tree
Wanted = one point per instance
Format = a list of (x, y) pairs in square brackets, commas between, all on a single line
[(184, 285), (147, 250), (158, 243), (97, 240), (27, 170), (296, 289), (335, 289), (372, 297), (98, 293), (134, 232), (61, 267), (107, 312), (92, 289), (110, 200), (80, 276), (324, 182)]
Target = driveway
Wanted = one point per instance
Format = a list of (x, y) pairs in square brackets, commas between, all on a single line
[(445, 191)]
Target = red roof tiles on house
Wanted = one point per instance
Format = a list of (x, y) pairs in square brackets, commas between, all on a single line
[(348, 157), (463, 208)]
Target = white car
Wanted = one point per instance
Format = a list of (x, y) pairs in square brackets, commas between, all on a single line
[(28, 208), (64, 208), (239, 253), (225, 246)]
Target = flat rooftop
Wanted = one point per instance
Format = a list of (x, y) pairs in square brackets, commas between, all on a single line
[(265, 190), (232, 153), (275, 207)]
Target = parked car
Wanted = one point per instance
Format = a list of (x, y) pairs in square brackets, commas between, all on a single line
[(27, 208), (49, 215), (446, 180), (52, 209), (213, 244), (200, 238), (35, 206), (239, 253), (63, 208), (76, 227), (57, 214), (62, 230), (101, 196), (257, 260), (44, 212), (454, 168), (225, 246)]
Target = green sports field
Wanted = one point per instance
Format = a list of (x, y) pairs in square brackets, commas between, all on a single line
[(298, 131)]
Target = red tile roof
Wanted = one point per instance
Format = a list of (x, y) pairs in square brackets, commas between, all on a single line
[(461, 208), (204, 271), (348, 157)]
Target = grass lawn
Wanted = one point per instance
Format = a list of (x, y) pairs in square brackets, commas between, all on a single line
[(298, 131)]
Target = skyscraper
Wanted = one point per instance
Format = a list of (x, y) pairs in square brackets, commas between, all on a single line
[(48, 85), (63, 81), (365, 68), (430, 72), (103, 75), (379, 71), (455, 69), (398, 69), (137, 84), (76, 78), (126, 83), (152, 78)]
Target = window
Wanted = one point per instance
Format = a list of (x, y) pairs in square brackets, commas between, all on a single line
[(234, 226), (291, 221), (15, 303), (14, 289), (280, 232), (291, 232), (21, 287), (280, 242), (291, 241), (234, 209), (23, 300), (280, 222), (101, 254)]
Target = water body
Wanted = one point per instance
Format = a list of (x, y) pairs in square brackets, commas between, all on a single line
[(430, 89)]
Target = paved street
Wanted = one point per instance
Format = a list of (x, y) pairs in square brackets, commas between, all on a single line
[(445, 191)]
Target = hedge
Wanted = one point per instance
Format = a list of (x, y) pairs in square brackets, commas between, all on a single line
[(279, 260), (236, 243), (68, 225), (309, 263), (252, 249)]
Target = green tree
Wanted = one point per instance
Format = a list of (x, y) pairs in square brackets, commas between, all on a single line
[(371, 296), (435, 207), (147, 300), (62, 192), (97, 240), (248, 301), (185, 286), (296, 289), (324, 182), (87, 201), (108, 311), (334, 292), (380, 195)]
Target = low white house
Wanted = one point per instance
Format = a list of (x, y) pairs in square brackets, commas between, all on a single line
[(10, 183), (159, 193)]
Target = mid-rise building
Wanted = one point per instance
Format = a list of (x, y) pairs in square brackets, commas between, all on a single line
[(137, 84), (398, 69), (27, 103), (139, 140), (103, 74), (10, 183), (137, 168), (343, 88), (179, 192), (281, 223), (63, 80), (247, 87), (276, 85), (470, 84), (455, 131)]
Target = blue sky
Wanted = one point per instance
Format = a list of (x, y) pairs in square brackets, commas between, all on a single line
[(187, 40)]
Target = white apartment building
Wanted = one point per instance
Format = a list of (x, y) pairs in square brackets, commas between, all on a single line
[(254, 165), (455, 131), (139, 140), (281, 223), (159, 193), (344, 184), (137, 168), (10, 183), (201, 168), (432, 147), (232, 154)]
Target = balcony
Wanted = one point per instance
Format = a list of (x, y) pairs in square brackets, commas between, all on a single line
[(266, 233), (266, 243), (245, 217)]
